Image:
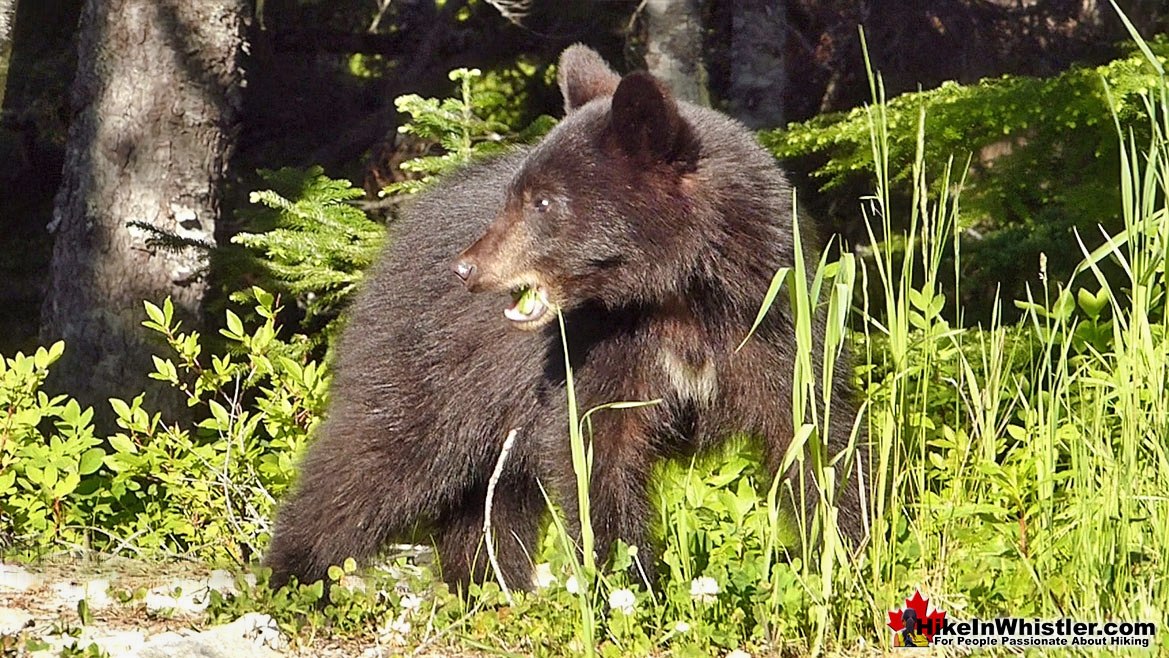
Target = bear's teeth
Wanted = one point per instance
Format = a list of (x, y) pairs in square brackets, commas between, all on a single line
[(528, 305), (530, 312), (512, 314)]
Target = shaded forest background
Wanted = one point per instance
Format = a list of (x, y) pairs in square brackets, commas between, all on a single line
[(321, 79)]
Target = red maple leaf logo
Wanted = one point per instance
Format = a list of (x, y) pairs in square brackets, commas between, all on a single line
[(928, 622)]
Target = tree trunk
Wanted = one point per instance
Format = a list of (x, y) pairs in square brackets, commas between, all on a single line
[(758, 71), (33, 125), (155, 103), (673, 50), (7, 13)]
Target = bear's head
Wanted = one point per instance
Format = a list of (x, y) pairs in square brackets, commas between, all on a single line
[(602, 209)]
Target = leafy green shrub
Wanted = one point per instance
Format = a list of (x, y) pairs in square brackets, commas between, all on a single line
[(47, 449), (152, 487), (1043, 161)]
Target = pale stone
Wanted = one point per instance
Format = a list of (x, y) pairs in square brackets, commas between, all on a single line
[(13, 620), (254, 635), (95, 592), (192, 597), (17, 579), (221, 581)]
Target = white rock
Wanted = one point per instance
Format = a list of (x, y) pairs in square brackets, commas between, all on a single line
[(113, 643), (17, 579), (118, 643), (221, 581), (192, 597), (96, 592), (12, 620), (250, 636)]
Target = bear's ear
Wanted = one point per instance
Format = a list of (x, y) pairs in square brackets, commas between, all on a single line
[(647, 124), (583, 76)]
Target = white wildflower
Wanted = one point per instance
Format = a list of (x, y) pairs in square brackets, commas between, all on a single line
[(681, 627), (572, 585), (738, 653), (410, 603), (395, 631), (623, 600), (544, 576), (704, 589)]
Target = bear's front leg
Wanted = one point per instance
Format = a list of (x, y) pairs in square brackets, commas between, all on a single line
[(623, 456), (332, 515), (516, 510), (359, 485)]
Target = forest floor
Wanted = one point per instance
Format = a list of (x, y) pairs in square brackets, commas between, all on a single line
[(136, 609)]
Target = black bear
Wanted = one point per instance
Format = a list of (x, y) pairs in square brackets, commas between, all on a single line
[(655, 227)]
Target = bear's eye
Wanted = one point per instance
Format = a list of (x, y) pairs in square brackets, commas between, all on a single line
[(542, 204)]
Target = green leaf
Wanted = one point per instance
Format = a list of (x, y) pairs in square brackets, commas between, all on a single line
[(234, 325), (918, 300), (935, 307), (1064, 306), (84, 613), (1031, 307), (222, 417), (122, 444), (49, 477), (121, 408), (66, 485), (796, 447), (164, 370), (1092, 304), (7, 479), (155, 314), (263, 297), (40, 358), (90, 461), (777, 282)]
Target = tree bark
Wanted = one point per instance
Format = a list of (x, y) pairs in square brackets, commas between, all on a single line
[(674, 48), (7, 11), (156, 103), (758, 70), (7, 14)]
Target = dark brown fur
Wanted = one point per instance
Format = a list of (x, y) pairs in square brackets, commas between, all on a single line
[(656, 227)]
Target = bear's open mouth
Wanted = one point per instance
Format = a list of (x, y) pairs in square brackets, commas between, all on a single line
[(529, 303)]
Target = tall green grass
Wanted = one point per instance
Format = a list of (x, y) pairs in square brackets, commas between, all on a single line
[(1022, 467)]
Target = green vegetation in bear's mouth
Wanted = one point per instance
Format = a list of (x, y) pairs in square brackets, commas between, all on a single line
[(527, 304)]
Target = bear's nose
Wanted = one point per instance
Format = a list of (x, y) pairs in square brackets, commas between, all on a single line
[(463, 269)]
